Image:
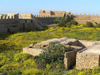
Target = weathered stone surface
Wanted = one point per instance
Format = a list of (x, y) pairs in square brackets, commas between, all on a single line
[(66, 41), (31, 45), (32, 51), (87, 43), (89, 57), (70, 57), (63, 40), (86, 58), (73, 42)]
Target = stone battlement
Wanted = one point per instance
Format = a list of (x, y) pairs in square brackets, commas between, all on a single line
[(15, 16), (9, 16), (86, 15), (53, 13)]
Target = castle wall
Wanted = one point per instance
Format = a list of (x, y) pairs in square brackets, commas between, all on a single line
[(26, 16), (46, 20), (86, 18), (44, 13), (53, 13), (3, 30)]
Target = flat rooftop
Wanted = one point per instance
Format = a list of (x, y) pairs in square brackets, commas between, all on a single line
[(94, 49)]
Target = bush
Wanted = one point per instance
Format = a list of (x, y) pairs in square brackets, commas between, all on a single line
[(89, 24), (62, 20), (15, 26), (34, 43), (68, 24), (52, 54), (98, 25), (74, 22)]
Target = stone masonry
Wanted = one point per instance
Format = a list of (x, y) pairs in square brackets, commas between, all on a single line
[(86, 54), (70, 57), (89, 57)]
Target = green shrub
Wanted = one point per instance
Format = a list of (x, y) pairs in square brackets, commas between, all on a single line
[(98, 25), (34, 43), (15, 26), (74, 22), (62, 20), (89, 24), (68, 24), (52, 54)]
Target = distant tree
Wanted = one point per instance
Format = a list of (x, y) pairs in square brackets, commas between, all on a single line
[(89, 24), (98, 25), (74, 22), (62, 20)]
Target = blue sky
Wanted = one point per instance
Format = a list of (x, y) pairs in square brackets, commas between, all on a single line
[(33, 6)]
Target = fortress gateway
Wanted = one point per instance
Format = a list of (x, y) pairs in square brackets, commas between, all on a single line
[(13, 22)]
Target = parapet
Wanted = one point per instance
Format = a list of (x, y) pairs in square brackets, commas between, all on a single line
[(26, 16), (9, 16), (53, 13)]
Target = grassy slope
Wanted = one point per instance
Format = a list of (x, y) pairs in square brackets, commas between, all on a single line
[(13, 61)]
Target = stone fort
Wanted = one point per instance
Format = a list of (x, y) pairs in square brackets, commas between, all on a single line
[(15, 22)]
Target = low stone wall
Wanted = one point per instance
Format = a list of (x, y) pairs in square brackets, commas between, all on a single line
[(70, 57), (87, 61), (87, 43), (89, 57), (32, 51)]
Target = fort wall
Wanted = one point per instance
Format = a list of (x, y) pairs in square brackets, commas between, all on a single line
[(53, 13), (85, 18)]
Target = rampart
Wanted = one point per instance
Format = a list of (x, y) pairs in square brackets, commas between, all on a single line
[(85, 18), (13, 22), (45, 15), (53, 13)]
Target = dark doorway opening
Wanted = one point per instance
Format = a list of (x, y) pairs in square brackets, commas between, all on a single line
[(31, 21), (23, 26)]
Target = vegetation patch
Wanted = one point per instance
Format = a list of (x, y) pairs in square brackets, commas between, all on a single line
[(14, 62)]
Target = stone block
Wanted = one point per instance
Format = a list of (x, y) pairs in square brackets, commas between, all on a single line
[(32, 51), (73, 42), (89, 57)]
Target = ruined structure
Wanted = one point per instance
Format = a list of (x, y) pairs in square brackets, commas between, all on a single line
[(86, 54), (13, 22), (89, 57), (47, 16), (49, 13), (86, 18)]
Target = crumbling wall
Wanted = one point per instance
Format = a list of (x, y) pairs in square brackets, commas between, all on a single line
[(70, 57)]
